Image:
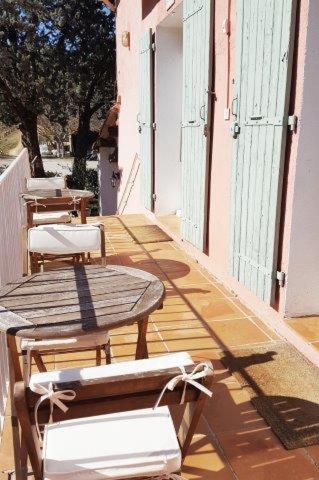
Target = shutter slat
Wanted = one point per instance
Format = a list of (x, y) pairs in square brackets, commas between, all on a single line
[(263, 73), (146, 120), (195, 112)]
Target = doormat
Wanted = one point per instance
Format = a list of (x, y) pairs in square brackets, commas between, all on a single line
[(284, 388), (148, 234)]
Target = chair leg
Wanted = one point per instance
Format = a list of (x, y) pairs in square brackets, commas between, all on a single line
[(107, 351), (38, 361), (32, 263), (26, 361), (103, 251), (98, 356), (42, 264), (25, 250)]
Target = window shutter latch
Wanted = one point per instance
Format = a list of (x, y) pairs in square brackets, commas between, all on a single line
[(292, 123), (281, 277)]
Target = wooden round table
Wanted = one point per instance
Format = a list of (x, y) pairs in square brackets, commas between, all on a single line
[(78, 300), (70, 302), (56, 200)]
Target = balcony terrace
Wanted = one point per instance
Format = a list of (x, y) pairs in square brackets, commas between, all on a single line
[(202, 317)]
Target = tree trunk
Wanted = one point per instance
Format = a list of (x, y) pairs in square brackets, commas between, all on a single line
[(30, 140), (81, 148)]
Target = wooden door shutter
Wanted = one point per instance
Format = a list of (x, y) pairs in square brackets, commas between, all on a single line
[(145, 119), (264, 43), (195, 115)]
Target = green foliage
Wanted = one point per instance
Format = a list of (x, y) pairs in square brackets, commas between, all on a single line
[(31, 79), (92, 181), (89, 179), (57, 59), (88, 34)]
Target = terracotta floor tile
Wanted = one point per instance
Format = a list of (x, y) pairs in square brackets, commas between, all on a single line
[(207, 291), (6, 448), (174, 299), (313, 452), (203, 461), (199, 345), (216, 309), (231, 410), (181, 278), (307, 327), (273, 335), (187, 334), (237, 332), (159, 246), (128, 339), (259, 455), (167, 315), (180, 325), (123, 330), (243, 308), (128, 350)]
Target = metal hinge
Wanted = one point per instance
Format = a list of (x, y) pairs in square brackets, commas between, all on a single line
[(154, 126), (292, 123), (153, 47), (281, 277), (235, 129), (154, 197)]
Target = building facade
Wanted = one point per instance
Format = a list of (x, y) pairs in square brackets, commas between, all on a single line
[(218, 101)]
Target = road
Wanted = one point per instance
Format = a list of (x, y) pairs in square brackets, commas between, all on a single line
[(62, 166)]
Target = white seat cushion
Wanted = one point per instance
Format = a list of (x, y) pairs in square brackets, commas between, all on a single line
[(121, 445), (64, 239), (112, 370), (51, 217), (85, 341), (50, 183)]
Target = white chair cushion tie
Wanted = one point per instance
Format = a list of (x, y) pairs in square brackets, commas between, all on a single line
[(200, 371), (75, 201), (34, 203), (54, 397)]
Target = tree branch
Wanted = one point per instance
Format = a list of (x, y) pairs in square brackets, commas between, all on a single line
[(16, 104), (96, 107), (110, 5)]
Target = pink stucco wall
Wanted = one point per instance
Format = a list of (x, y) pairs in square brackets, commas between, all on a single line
[(129, 17)]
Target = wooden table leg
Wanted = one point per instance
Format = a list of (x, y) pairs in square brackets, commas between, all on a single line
[(29, 216), (83, 218), (83, 210), (19, 448), (141, 347)]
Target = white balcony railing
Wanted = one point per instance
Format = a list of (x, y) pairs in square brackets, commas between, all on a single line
[(12, 218)]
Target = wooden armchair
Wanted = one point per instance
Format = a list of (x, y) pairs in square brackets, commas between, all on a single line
[(49, 183), (63, 241), (110, 428), (60, 241)]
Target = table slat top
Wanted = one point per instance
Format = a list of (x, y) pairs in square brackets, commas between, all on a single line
[(77, 300)]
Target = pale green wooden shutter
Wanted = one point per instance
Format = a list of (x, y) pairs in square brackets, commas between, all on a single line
[(264, 43), (195, 114), (145, 119)]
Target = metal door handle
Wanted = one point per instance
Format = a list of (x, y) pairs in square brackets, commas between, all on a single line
[(200, 112), (233, 110)]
